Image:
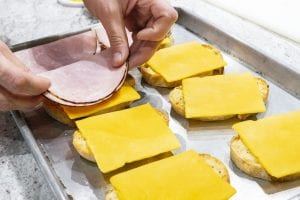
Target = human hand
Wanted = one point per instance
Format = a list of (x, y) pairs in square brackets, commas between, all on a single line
[(19, 89), (149, 20)]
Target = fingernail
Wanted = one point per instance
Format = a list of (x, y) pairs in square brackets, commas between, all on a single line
[(117, 59)]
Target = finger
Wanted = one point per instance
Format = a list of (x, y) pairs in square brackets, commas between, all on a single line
[(115, 28), (141, 51), (10, 101), (20, 82), (10, 56), (163, 18)]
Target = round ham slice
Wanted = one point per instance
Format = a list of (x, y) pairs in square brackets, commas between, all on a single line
[(85, 82), (78, 77)]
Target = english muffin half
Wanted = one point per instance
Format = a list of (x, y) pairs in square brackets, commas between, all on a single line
[(246, 162), (201, 59), (177, 102), (218, 167), (82, 148)]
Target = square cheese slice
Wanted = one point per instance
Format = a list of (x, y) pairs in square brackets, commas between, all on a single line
[(185, 60), (181, 177), (125, 136), (274, 141), (222, 95), (124, 95)]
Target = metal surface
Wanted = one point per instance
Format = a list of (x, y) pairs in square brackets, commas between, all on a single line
[(39, 156), (66, 172)]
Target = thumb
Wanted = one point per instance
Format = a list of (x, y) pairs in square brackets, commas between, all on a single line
[(115, 28)]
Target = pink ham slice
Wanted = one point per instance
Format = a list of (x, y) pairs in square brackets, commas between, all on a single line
[(59, 53), (78, 78), (87, 81)]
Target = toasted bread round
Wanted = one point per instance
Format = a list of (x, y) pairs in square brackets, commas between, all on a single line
[(213, 162), (56, 111), (154, 79), (82, 148), (177, 102), (246, 162)]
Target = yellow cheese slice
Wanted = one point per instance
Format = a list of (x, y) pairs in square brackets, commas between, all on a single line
[(181, 177), (274, 141), (222, 95), (124, 95), (125, 136), (185, 60)]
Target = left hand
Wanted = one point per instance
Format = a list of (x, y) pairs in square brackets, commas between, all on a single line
[(148, 20)]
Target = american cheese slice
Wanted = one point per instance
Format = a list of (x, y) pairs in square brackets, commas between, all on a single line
[(181, 177), (274, 141), (125, 136), (185, 60), (222, 95), (124, 95)]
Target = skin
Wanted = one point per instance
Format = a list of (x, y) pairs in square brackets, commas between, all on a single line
[(149, 20), (19, 89)]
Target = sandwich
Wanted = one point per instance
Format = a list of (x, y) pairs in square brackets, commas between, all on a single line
[(170, 65), (220, 97), (117, 138), (84, 151), (120, 100), (268, 148), (184, 176)]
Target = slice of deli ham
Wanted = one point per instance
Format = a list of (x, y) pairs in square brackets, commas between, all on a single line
[(87, 81), (78, 77)]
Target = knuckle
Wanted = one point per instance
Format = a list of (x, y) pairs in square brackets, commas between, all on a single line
[(117, 40), (19, 83), (171, 15)]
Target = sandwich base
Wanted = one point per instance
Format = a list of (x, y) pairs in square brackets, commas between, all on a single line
[(177, 102), (246, 162), (218, 167), (82, 148)]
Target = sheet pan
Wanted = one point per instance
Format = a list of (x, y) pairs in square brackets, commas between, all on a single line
[(71, 177)]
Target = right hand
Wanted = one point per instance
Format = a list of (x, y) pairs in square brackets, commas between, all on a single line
[(19, 88)]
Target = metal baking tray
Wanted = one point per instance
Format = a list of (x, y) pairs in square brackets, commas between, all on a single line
[(71, 177)]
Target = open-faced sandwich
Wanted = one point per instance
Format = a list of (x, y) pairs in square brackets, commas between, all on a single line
[(220, 97), (81, 145), (184, 176), (170, 65), (120, 100), (268, 148), (120, 137)]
